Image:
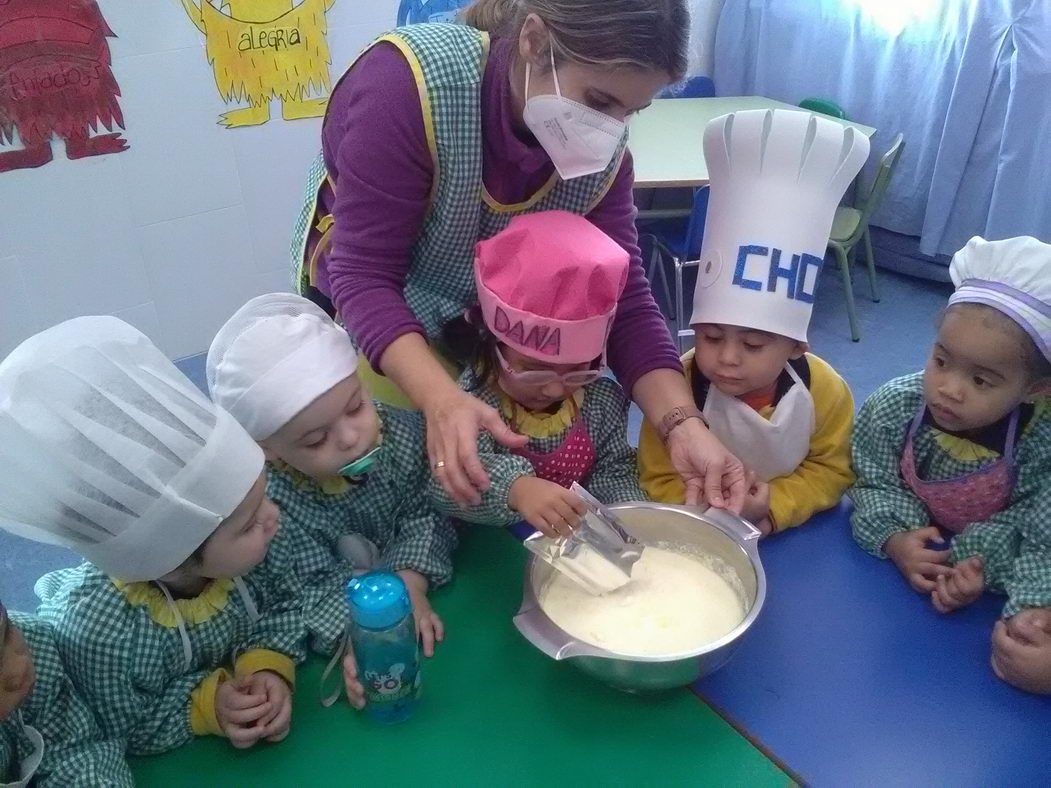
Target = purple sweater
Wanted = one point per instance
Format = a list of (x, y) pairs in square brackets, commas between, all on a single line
[(375, 147)]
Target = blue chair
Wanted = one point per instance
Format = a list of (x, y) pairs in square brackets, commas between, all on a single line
[(670, 239), (694, 87)]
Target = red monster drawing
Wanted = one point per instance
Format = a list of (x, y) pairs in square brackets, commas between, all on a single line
[(55, 79)]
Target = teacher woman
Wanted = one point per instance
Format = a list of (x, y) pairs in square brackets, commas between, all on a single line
[(434, 138)]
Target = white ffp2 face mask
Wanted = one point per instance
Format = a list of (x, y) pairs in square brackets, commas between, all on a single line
[(580, 141)]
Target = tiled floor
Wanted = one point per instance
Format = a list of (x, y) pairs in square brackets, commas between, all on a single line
[(895, 338)]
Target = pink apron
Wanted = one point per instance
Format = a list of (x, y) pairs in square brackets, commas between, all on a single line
[(972, 498), (571, 462)]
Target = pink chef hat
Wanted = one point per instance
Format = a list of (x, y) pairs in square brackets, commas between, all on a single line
[(548, 286)]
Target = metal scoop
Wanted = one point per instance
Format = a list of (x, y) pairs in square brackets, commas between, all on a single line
[(598, 555)]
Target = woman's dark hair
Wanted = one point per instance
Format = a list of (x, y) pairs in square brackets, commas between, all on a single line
[(470, 343), (647, 34)]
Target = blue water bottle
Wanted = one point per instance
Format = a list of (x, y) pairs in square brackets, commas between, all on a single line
[(383, 634)]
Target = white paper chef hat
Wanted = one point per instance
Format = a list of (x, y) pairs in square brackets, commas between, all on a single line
[(776, 179), (276, 355), (109, 450), (1013, 276)]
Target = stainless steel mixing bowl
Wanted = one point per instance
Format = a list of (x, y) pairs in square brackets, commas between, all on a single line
[(714, 532)]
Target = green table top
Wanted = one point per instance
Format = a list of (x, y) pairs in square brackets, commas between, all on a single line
[(666, 139), (495, 711)]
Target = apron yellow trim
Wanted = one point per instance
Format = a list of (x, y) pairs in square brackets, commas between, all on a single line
[(499, 207), (324, 225), (425, 100)]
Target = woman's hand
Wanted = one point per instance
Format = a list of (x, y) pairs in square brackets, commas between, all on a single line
[(454, 419), (711, 473)]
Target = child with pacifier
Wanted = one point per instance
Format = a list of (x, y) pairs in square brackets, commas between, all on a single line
[(348, 475), (963, 450), (48, 735), (776, 178), (187, 619), (535, 349)]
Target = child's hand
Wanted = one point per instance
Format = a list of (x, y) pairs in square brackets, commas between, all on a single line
[(1032, 626), (238, 710), (962, 586), (355, 689), (920, 565), (1022, 650), (550, 508), (429, 627), (757, 502), (275, 724)]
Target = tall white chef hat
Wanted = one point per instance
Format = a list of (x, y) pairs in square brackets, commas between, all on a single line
[(109, 450), (776, 178)]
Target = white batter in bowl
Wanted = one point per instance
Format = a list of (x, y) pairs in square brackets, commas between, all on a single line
[(674, 603)]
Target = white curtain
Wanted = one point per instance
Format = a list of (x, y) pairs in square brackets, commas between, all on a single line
[(968, 82)]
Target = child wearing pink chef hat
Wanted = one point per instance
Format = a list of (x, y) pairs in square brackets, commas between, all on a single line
[(535, 349)]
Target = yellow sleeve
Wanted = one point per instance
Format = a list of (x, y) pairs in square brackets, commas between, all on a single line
[(258, 659), (822, 478), (203, 721), (658, 477)]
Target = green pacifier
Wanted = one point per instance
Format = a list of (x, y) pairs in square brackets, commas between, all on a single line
[(360, 466)]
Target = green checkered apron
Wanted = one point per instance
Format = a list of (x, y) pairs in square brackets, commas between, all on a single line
[(448, 62)]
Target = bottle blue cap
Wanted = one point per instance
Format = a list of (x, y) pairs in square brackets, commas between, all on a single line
[(378, 600)]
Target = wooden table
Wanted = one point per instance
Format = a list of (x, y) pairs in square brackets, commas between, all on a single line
[(666, 138)]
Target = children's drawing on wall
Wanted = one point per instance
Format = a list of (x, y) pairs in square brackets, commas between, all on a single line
[(56, 80), (260, 50), (412, 11)]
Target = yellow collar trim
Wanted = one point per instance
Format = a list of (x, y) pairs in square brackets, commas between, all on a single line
[(963, 450), (541, 425), (332, 485), (193, 611)]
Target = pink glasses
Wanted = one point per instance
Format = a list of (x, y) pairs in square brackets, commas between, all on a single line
[(542, 377)]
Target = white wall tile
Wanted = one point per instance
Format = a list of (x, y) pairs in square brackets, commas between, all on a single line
[(177, 232), (18, 318), (377, 16), (201, 271), (277, 281), (145, 27), (347, 41), (144, 317), (272, 211), (71, 223), (181, 162)]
